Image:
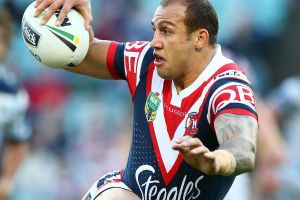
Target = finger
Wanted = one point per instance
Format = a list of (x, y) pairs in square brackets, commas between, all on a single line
[(41, 5), (50, 11), (180, 146), (86, 14), (180, 143), (186, 142), (180, 140), (181, 149), (88, 22), (199, 150), (62, 15), (177, 146), (192, 143), (37, 3), (210, 155)]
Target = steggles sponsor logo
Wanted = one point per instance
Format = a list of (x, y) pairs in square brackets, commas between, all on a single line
[(30, 36), (150, 189)]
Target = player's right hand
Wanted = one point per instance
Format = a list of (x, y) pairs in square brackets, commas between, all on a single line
[(197, 155), (83, 6)]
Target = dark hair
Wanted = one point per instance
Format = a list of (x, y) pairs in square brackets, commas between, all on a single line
[(199, 14)]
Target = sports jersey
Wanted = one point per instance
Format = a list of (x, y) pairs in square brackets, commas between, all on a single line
[(161, 115), (13, 104)]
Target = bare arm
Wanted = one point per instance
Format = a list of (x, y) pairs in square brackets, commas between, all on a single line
[(236, 154), (237, 134), (94, 63)]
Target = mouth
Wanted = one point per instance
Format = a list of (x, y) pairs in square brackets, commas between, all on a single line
[(159, 60)]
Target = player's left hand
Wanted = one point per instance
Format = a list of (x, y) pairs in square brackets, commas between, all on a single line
[(197, 155), (83, 7)]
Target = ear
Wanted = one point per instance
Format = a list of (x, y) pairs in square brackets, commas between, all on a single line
[(201, 38)]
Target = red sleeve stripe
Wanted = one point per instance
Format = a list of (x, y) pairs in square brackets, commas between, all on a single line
[(111, 52), (237, 112)]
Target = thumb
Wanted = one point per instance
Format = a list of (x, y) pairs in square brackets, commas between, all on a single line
[(210, 155)]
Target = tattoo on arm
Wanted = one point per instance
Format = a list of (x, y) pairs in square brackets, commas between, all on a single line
[(237, 134)]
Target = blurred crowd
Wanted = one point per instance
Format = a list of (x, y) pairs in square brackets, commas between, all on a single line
[(81, 127)]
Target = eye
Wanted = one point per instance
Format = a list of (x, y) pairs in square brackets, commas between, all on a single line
[(166, 31)]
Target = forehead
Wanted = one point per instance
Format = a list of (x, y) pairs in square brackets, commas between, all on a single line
[(173, 13)]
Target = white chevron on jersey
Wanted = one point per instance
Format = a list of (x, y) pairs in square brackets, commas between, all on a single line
[(170, 157), (216, 63)]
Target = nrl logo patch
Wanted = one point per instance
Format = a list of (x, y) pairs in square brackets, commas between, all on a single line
[(30, 35), (191, 124), (151, 106)]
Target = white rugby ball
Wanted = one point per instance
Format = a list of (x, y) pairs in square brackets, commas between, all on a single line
[(55, 46)]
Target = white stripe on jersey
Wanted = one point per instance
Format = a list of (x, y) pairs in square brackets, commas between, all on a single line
[(129, 55), (164, 142), (216, 63), (140, 61), (232, 100), (138, 58)]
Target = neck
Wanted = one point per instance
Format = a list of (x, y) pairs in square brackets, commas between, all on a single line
[(195, 68)]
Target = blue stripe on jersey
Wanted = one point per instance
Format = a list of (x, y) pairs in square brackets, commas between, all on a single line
[(224, 81), (238, 105), (8, 87), (147, 60), (221, 82), (119, 61), (206, 134)]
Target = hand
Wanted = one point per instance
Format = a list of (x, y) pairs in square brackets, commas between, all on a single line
[(83, 6), (197, 155)]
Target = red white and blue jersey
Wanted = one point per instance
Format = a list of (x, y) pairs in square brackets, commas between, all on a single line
[(154, 170)]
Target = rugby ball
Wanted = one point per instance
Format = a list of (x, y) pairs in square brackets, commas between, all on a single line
[(58, 47)]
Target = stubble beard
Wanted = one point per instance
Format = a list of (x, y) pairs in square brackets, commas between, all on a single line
[(164, 75)]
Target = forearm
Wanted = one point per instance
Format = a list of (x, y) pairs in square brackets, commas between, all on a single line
[(244, 158), (94, 63), (226, 162), (237, 135)]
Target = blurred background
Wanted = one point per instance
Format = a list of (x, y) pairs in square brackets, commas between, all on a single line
[(81, 127)]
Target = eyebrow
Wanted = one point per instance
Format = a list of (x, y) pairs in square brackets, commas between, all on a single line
[(160, 23)]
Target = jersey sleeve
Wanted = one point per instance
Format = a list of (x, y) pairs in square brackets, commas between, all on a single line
[(232, 97), (19, 129), (129, 61)]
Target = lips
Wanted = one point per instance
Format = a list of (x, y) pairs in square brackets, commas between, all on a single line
[(159, 60)]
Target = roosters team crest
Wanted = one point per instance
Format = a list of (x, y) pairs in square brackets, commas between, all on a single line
[(152, 105), (191, 124)]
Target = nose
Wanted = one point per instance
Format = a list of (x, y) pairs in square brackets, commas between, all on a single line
[(156, 42)]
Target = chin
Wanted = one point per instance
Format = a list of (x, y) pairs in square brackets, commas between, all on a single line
[(164, 75)]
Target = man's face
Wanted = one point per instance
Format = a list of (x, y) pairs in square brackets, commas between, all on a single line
[(173, 47)]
